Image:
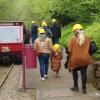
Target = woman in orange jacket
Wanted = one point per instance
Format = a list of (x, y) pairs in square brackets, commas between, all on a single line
[(78, 48)]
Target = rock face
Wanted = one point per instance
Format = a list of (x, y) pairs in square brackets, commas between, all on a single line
[(93, 74)]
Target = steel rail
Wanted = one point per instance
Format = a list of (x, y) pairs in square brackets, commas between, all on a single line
[(5, 76)]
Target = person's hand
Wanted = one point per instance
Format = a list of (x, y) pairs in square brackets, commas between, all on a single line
[(56, 53)]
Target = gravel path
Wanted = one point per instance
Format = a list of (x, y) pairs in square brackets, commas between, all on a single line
[(3, 71), (9, 90)]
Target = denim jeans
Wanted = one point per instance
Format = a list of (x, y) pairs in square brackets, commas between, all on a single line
[(44, 61), (83, 71)]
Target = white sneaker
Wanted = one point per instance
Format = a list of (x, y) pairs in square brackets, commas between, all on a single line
[(42, 78), (45, 76)]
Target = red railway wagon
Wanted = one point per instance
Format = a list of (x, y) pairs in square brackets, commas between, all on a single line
[(11, 41)]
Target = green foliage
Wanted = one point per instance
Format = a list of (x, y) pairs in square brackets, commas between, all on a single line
[(14, 10), (66, 34), (24, 10), (40, 10), (5, 8), (73, 10)]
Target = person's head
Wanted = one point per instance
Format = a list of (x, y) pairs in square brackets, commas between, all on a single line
[(54, 21), (44, 24), (43, 20), (79, 33), (57, 48), (76, 28), (33, 22), (42, 33)]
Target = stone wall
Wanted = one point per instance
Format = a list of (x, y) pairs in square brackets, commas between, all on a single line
[(91, 75)]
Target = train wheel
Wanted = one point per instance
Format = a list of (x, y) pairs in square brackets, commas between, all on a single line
[(6, 60)]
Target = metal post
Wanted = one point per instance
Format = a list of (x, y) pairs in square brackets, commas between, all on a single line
[(24, 61)]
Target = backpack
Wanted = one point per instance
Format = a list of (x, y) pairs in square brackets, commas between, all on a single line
[(48, 32), (67, 60), (92, 47)]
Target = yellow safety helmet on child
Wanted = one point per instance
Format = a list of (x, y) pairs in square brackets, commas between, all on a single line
[(77, 27), (57, 48)]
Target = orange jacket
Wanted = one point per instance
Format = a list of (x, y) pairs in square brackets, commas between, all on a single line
[(43, 46), (56, 60), (79, 55)]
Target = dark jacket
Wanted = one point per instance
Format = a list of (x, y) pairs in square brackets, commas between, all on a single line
[(34, 30), (56, 31), (27, 37)]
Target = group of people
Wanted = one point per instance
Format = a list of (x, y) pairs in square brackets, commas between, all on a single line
[(48, 49), (53, 30)]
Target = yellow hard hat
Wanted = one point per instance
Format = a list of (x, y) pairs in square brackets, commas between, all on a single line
[(44, 24), (77, 27), (54, 20), (39, 28), (57, 47), (33, 21), (41, 31)]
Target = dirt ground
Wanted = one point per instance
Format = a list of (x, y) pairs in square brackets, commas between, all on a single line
[(10, 91)]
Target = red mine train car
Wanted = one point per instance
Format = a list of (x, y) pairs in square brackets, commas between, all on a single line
[(11, 41)]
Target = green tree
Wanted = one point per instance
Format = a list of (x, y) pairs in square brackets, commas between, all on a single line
[(73, 10)]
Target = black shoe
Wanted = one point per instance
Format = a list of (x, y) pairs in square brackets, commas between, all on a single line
[(74, 88), (84, 91)]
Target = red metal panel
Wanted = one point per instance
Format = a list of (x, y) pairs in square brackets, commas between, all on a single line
[(13, 47), (30, 56)]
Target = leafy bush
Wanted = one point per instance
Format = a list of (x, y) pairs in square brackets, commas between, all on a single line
[(73, 10)]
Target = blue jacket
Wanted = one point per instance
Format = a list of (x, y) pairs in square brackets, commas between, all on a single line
[(48, 32)]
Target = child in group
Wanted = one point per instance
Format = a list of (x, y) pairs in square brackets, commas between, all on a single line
[(56, 57)]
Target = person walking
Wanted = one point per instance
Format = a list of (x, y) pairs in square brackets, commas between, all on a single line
[(47, 30), (34, 31), (80, 58), (56, 31), (56, 57), (27, 37), (43, 47)]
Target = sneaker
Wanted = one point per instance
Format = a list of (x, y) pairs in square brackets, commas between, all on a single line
[(42, 78), (45, 76)]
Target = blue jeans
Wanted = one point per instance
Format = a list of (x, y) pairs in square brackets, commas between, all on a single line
[(44, 61)]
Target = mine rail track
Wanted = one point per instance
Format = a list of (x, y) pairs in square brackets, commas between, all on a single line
[(4, 73)]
